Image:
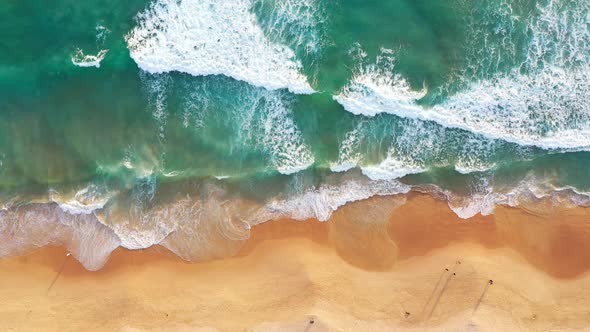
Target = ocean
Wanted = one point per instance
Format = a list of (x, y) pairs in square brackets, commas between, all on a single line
[(184, 123)]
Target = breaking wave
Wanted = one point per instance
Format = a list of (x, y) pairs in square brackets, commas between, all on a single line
[(540, 103), (213, 38), (386, 148)]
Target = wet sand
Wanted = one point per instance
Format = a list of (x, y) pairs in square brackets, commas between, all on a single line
[(373, 266)]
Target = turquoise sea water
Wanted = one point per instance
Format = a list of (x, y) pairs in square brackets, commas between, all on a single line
[(185, 122)]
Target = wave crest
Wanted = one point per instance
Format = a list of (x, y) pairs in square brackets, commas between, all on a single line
[(213, 38), (541, 103)]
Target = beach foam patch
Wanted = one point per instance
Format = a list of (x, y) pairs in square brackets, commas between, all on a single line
[(82, 59), (88, 60)]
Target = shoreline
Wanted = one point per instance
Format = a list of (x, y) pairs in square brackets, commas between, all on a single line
[(342, 274)]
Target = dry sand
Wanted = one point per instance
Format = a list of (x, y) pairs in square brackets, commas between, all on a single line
[(422, 269)]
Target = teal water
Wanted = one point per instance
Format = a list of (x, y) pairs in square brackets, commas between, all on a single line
[(145, 119)]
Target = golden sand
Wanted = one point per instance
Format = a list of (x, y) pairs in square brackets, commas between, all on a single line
[(422, 269)]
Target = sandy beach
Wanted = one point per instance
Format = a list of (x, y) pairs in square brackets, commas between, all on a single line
[(422, 268)]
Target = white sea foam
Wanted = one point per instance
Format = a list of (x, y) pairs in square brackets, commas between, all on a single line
[(296, 22), (547, 110), (391, 168), (36, 225), (157, 88), (281, 136), (349, 156), (475, 154), (214, 227), (342, 166), (545, 106), (81, 59), (213, 38), (135, 223), (75, 207), (530, 192), (376, 88), (259, 120), (468, 169), (194, 228), (320, 203), (198, 229), (208, 229), (84, 201), (88, 60), (413, 146)]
